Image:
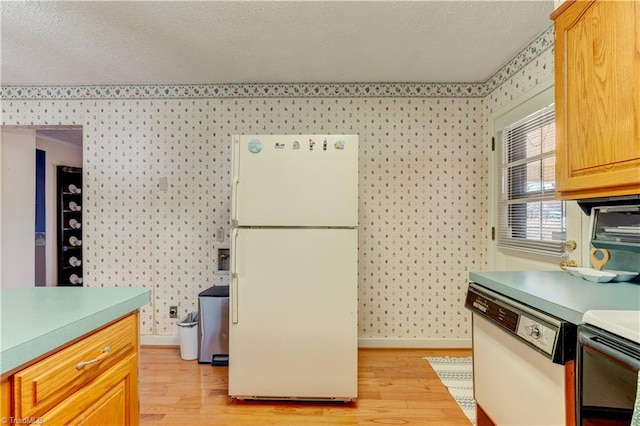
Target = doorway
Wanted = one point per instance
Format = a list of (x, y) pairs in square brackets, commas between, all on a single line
[(29, 241)]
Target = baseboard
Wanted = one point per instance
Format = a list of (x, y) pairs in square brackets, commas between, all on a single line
[(375, 342), (159, 340), (363, 342)]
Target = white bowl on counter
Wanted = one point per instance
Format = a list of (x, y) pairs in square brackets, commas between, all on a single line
[(591, 274), (576, 272), (623, 275), (598, 276)]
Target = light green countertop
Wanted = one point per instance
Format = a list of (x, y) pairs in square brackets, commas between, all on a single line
[(37, 320), (559, 294)]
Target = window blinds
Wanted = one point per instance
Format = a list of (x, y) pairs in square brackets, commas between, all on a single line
[(529, 217)]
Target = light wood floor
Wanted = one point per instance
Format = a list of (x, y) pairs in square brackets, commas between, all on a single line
[(395, 387)]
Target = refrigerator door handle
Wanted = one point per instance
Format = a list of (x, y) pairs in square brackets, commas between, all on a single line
[(235, 178), (234, 298), (234, 278), (234, 198)]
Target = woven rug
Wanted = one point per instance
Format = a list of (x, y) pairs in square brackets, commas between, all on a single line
[(457, 375)]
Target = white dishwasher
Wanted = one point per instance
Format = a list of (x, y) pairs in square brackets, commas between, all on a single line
[(518, 360)]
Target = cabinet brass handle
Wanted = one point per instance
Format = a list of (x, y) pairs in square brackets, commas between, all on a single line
[(103, 355)]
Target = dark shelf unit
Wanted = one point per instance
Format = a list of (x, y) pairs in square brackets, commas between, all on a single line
[(69, 208)]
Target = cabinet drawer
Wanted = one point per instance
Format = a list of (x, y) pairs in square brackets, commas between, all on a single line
[(110, 400), (41, 386)]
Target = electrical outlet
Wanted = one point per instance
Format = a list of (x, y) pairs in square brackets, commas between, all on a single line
[(173, 312)]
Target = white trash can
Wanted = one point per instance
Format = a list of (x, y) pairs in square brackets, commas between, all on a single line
[(188, 336)]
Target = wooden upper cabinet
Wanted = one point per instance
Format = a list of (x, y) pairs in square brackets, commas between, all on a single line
[(597, 91)]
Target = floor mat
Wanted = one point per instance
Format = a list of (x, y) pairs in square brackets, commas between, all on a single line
[(456, 373)]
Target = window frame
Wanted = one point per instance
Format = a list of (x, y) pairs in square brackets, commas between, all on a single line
[(529, 103)]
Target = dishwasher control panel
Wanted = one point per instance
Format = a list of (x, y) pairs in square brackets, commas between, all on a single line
[(495, 312), (549, 336), (537, 334)]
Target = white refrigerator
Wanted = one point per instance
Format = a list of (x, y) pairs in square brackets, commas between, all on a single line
[(294, 254)]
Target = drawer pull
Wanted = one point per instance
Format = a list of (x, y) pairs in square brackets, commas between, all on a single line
[(103, 355)]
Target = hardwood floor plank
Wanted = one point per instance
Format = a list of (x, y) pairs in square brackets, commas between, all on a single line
[(395, 387)]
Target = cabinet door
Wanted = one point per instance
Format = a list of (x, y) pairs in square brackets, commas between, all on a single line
[(597, 53), (112, 399), (108, 409)]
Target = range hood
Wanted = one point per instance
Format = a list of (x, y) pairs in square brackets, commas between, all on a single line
[(623, 200)]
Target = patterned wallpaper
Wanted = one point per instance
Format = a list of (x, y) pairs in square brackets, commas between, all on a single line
[(423, 189)]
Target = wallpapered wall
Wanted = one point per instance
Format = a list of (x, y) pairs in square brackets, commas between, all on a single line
[(423, 191)]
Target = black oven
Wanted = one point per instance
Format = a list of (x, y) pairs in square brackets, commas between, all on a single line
[(606, 378)]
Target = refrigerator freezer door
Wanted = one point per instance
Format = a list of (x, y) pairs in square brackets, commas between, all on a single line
[(306, 180), (293, 332)]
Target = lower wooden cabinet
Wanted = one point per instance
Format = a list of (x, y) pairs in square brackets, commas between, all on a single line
[(94, 381), (111, 399), (570, 392)]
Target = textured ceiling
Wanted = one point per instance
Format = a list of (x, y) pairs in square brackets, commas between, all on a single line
[(148, 42), (67, 135)]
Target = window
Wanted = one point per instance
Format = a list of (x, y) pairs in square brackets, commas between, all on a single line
[(529, 217)]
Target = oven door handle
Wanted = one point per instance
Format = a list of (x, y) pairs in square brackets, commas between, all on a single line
[(587, 339)]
